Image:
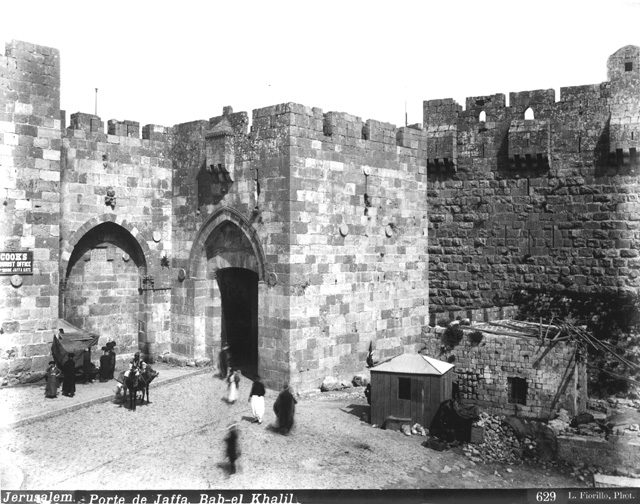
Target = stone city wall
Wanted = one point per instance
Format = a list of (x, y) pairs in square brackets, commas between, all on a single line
[(549, 202)]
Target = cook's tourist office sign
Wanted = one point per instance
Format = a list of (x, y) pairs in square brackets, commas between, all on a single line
[(16, 263)]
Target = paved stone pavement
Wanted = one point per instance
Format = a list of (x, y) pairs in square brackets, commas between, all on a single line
[(24, 404)]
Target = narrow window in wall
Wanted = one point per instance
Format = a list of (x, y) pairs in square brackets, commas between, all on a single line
[(517, 390), (404, 388), (628, 66), (528, 114), (482, 117)]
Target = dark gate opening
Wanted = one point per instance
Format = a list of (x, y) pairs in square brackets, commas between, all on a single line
[(239, 292)]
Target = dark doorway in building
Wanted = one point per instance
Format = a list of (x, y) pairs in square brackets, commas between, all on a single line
[(239, 293)]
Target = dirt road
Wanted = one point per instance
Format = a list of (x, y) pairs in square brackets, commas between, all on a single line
[(176, 443)]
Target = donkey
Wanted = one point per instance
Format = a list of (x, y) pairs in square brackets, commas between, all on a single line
[(139, 382)]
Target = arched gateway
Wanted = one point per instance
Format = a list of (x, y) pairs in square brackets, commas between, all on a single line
[(101, 267), (225, 273)]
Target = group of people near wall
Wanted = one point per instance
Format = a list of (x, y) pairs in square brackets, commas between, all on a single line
[(53, 375), (66, 371)]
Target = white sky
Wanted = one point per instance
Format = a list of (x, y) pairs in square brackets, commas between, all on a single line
[(160, 62)]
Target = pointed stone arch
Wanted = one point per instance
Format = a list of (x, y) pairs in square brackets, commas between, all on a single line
[(127, 324), (213, 222), (225, 243)]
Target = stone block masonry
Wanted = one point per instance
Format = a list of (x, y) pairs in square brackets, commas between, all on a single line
[(116, 229), (539, 194), (30, 143)]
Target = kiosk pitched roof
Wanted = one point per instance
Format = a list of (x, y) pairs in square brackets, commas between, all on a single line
[(409, 363)]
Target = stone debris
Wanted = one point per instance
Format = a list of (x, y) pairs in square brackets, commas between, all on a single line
[(360, 380), (331, 383), (418, 430), (596, 423), (500, 442)]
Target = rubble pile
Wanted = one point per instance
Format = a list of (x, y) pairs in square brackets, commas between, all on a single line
[(500, 442), (600, 422)]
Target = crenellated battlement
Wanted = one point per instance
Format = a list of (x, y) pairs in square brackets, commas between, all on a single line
[(90, 123)]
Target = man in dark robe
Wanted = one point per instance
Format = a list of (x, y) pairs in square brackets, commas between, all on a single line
[(104, 365), (69, 378), (284, 408), (225, 361), (112, 358), (87, 366), (53, 381), (370, 362)]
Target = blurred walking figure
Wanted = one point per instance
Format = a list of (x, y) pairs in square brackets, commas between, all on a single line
[(256, 398), (53, 381), (69, 378), (233, 451), (233, 381), (284, 408)]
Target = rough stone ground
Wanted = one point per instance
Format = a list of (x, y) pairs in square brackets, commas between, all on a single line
[(175, 442)]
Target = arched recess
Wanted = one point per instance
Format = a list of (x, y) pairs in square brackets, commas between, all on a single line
[(101, 266), (225, 273)]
